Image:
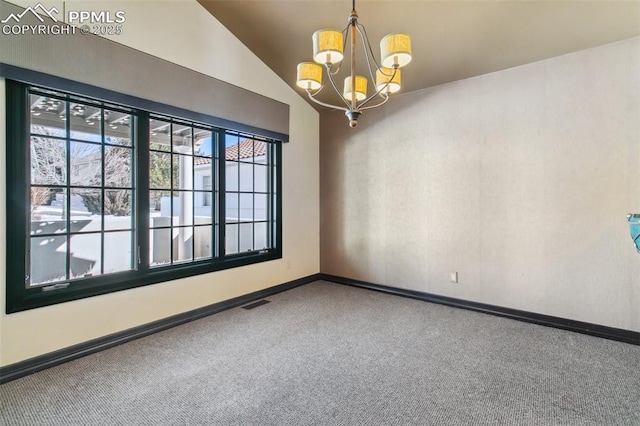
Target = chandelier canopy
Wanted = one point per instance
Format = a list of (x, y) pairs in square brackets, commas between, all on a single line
[(328, 53)]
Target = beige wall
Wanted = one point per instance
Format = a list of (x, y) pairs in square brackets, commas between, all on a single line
[(519, 180), (184, 33)]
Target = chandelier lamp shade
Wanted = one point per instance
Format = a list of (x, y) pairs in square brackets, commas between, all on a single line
[(328, 55)]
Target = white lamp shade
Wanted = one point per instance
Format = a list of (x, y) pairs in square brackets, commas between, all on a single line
[(361, 88), (309, 76), (327, 46), (395, 49), (385, 75)]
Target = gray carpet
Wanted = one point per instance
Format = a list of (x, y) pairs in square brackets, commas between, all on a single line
[(327, 354)]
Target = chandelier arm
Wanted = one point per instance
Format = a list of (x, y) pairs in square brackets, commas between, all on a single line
[(382, 89), (333, 83), (386, 98), (337, 69), (365, 42), (345, 32), (364, 30), (323, 103)]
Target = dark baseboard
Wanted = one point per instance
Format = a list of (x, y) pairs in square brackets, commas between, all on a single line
[(605, 332), (32, 365)]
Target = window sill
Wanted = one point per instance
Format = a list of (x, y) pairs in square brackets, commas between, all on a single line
[(96, 286)]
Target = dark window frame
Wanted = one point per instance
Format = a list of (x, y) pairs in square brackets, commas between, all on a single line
[(20, 297)]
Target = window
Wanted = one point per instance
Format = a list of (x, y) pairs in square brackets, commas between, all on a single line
[(180, 153), (81, 189), (104, 197), (247, 194)]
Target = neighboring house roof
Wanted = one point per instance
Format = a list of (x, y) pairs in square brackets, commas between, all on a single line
[(247, 149), (243, 149)]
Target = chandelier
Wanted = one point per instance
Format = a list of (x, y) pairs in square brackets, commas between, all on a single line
[(395, 53)]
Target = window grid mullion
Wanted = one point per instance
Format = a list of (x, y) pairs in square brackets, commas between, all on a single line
[(222, 193), (67, 200), (193, 196), (239, 197), (103, 181), (270, 189), (141, 146), (171, 172)]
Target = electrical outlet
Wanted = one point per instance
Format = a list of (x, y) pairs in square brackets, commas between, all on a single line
[(454, 277)]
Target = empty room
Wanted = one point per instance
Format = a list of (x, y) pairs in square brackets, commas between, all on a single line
[(320, 212)]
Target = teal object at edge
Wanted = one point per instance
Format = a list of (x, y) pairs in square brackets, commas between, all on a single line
[(634, 227)]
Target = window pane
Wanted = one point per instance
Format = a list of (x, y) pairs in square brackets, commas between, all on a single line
[(261, 236), (86, 164), (246, 177), (85, 122), (159, 170), (47, 116), (48, 161), (203, 209), (42, 227), (86, 206), (85, 255), (182, 136), (231, 147), (216, 212), (117, 128), (159, 135), (84, 224), (118, 211), (246, 237), (117, 167), (203, 244), (206, 182), (203, 174), (261, 178), (260, 207), (48, 259), (245, 150), (204, 144), (160, 205), (183, 208), (246, 207), (231, 237), (231, 175), (261, 152), (231, 207), (47, 204), (183, 244), (160, 246), (117, 252), (203, 182), (182, 171)]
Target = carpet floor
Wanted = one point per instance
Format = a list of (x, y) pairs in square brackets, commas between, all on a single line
[(328, 354)]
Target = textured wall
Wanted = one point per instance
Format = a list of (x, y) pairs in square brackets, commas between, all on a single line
[(184, 33), (519, 180)]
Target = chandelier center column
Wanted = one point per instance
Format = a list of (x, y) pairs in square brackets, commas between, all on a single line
[(353, 20)]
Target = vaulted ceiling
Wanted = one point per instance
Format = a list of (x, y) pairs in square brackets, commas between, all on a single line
[(451, 40)]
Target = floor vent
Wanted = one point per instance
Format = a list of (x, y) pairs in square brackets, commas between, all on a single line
[(256, 304)]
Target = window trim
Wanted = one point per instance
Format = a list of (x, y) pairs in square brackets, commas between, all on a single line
[(20, 298)]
